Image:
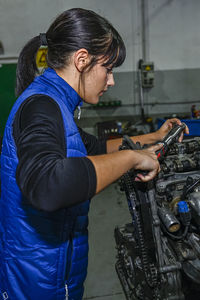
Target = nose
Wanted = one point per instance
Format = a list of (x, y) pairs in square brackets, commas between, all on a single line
[(110, 81)]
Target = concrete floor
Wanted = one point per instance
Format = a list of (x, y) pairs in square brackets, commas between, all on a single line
[(108, 210)]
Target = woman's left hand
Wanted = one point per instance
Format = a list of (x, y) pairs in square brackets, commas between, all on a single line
[(167, 126)]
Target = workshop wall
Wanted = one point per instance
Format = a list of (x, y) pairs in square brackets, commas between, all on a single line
[(164, 31)]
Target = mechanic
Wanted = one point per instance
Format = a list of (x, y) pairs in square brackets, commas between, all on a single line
[(50, 168)]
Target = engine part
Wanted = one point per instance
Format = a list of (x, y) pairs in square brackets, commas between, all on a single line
[(158, 254), (168, 219)]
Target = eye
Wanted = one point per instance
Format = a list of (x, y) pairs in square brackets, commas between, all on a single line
[(109, 70)]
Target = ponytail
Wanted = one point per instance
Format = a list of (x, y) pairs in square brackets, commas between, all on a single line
[(26, 66)]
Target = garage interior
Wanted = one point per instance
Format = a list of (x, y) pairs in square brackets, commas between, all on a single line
[(159, 79)]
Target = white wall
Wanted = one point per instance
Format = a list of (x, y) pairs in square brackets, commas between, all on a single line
[(174, 36), (172, 32), (22, 19)]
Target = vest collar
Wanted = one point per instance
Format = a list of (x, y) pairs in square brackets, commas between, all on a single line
[(72, 98)]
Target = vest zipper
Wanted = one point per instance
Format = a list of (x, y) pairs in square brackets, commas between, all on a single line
[(79, 112)]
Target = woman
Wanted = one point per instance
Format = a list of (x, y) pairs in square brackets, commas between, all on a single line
[(50, 168)]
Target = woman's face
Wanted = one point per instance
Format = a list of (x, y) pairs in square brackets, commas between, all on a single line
[(96, 82)]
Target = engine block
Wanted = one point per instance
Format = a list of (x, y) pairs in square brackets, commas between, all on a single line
[(158, 254)]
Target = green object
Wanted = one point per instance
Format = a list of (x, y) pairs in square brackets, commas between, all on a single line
[(7, 92)]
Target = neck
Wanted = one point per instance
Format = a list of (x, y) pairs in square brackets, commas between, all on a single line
[(71, 76)]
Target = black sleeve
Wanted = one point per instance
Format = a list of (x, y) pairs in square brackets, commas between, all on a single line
[(47, 178), (92, 144)]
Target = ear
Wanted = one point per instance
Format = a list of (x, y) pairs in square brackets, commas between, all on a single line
[(81, 59)]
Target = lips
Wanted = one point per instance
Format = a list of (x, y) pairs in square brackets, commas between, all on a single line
[(102, 92)]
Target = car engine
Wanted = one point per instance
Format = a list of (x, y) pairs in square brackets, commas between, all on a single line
[(158, 253)]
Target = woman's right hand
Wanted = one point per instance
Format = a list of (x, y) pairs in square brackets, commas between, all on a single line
[(110, 167), (147, 161)]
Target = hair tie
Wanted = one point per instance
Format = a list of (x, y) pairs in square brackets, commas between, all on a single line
[(43, 39)]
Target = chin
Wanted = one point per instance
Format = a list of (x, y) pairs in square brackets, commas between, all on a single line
[(92, 101), (96, 102)]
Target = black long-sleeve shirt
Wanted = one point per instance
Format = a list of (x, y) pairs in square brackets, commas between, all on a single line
[(47, 178)]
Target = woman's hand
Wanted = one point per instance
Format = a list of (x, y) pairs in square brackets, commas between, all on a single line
[(147, 161), (167, 126), (110, 167)]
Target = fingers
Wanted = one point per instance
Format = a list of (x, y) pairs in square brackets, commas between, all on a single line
[(169, 124), (147, 177), (178, 122), (181, 137), (151, 173), (154, 167), (186, 129), (174, 121), (156, 147), (166, 127)]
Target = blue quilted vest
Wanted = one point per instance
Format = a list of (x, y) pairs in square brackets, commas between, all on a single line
[(42, 252)]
